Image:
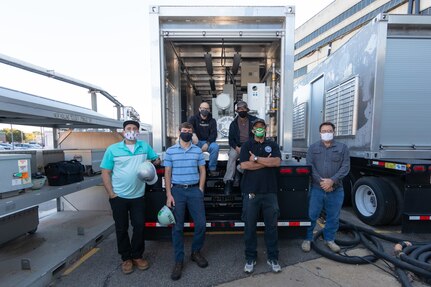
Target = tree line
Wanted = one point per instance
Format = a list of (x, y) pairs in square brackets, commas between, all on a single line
[(18, 136)]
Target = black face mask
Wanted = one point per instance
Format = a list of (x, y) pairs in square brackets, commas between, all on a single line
[(204, 112), (186, 136), (243, 114)]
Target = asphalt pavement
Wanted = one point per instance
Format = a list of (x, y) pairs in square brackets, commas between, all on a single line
[(225, 253)]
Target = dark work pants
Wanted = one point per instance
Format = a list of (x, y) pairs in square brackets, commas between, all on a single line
[(122, 208), (268, 203)]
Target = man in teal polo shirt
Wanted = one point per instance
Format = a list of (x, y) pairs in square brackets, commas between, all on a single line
[(126, 193)]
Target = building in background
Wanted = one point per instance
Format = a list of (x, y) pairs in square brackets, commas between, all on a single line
[(328, 30)]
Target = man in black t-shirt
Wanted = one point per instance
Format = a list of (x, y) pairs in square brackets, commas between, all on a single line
[(260, 159)]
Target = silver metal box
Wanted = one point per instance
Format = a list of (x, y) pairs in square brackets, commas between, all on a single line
[(15, 173), (19, 223), (40, 158), (375, 89)]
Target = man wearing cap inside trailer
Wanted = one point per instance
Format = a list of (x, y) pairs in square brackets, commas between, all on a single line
[(120, 166), (260, 159), (239, 133)]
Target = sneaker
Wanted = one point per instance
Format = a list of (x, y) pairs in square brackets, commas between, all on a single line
[(142, 264), (176, 272), (306, 246), (199, 259), (127, 266), (275, 267), (249, 266), (333, 246)]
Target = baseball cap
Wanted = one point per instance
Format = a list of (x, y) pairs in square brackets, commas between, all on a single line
[(242, 104), (131, 122), (258, 121)]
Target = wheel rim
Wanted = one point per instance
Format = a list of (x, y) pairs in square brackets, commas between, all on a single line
[(366, 201)]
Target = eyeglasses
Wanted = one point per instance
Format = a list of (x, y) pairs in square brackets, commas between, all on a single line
[(326, 131), (206, 109)]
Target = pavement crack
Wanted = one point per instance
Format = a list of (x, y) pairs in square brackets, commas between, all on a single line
[(319, 275), (109, 276)]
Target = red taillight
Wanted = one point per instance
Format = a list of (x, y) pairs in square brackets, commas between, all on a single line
[(160, 171), (418, 168), (286, 170), (302, 170)]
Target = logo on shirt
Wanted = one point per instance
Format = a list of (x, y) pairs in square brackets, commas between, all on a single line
[(268, 149)]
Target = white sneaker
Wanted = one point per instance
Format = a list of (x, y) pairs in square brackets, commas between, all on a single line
[(275, 267), (306, 246), (333, 246), (249, 266)]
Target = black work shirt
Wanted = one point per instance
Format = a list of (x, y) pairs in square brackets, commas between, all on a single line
[(264, 180)]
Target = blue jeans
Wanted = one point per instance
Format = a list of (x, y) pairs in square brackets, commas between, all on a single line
[(121, 209), (193, 198), (250, 210), (332, 201), (213, 149)]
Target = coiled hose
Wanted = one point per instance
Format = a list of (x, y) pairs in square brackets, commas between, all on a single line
[(409, 256)]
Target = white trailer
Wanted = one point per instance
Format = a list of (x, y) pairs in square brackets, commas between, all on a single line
[(212, 54), (375, 89)]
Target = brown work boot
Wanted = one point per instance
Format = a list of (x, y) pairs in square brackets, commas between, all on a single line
[(199, 259), (176, 272), (127, 266), (142, 264)]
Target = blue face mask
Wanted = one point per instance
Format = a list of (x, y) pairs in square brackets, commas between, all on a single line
[(186, 136)]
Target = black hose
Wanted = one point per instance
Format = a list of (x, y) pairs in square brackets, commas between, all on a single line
[(344, 258), (403, 278), (413, 258), (425, 257), (393, 260)]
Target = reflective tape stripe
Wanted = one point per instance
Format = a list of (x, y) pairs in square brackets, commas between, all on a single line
[(420, 217), (233, 224)]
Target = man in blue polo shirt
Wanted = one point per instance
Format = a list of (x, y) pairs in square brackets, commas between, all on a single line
[(126, 193), (185, 182)]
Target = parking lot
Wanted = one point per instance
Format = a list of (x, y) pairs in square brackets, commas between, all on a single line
[(226, 261)]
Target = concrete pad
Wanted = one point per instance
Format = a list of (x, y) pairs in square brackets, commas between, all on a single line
[(54, 247), (323, 272)]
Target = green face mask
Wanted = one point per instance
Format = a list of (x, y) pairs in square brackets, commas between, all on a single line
[(259, 132)]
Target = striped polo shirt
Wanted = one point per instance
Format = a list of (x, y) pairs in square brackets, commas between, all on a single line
[(184, 163), (124, 165)]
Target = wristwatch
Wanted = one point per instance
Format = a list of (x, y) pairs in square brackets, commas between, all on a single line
[(255, 158)]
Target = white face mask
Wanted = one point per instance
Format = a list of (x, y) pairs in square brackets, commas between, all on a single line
[(327, 137), (131, 136)]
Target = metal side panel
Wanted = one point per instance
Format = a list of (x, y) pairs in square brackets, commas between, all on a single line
[(405, 111)]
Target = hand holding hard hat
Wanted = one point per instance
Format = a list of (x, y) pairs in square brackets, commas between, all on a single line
[(165, 216), (147, 173)]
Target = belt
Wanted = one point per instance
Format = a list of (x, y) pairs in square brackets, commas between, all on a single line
[(185, 185)]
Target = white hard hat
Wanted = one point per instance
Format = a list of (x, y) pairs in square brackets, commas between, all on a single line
[(165, 216), (147, 172)]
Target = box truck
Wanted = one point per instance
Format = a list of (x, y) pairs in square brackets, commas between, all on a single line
[(375, 89)]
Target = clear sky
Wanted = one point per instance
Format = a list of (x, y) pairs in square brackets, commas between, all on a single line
[(102, 42)]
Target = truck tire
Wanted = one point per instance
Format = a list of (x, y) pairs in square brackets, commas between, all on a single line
[(395, 185), (373, 201)]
